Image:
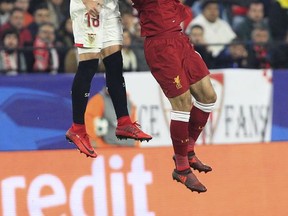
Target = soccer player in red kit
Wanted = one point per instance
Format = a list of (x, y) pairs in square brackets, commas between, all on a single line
[(180, 71)]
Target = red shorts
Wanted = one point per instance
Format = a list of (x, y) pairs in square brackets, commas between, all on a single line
[(174, 63)]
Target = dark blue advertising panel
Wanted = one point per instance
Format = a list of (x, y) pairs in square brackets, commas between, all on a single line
[(280, 106), (35, 111)]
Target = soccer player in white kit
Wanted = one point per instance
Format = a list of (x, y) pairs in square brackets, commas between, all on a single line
[(98, 33)]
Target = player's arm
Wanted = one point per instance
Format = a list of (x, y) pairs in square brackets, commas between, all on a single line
[(93, 6)]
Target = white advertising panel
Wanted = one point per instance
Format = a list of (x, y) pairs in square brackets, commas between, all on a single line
[(243, 108), (241, 114)]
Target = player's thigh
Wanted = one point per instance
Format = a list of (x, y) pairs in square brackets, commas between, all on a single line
[(199, 77), (112, 36), (85, 54), (203, 90), (193, 64), (165, 61)]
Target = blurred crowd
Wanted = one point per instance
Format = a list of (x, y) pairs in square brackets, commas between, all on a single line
[(37, 36)]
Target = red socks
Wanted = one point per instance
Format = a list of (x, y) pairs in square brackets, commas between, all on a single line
[(79, 128), (124, 120), (180, 138), (191, 145), (197, 122)]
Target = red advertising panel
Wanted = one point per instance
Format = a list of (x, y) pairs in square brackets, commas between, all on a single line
[(246, 180)]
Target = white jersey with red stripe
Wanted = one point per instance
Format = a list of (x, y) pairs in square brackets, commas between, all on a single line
[(100, 32)]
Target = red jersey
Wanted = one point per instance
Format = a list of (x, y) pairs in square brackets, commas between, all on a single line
[(160, 16)]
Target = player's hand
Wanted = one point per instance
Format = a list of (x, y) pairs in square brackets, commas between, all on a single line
[(93, 6)]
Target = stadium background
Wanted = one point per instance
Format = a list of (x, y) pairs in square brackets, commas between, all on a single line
[(245, 141)]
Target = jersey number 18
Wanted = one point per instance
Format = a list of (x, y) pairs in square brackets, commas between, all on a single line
[(92, 21)]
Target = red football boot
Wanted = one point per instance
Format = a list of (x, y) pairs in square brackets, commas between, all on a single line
[(187, 178), (131, 131), (82, 142), (196, 164)]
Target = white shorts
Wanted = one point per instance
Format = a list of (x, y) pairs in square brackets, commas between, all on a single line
[(92, 35)]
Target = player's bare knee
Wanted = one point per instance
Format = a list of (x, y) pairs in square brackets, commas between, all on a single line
[(107, 51), (88, 56), (182, 102), (211, 98), (207, 98)]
